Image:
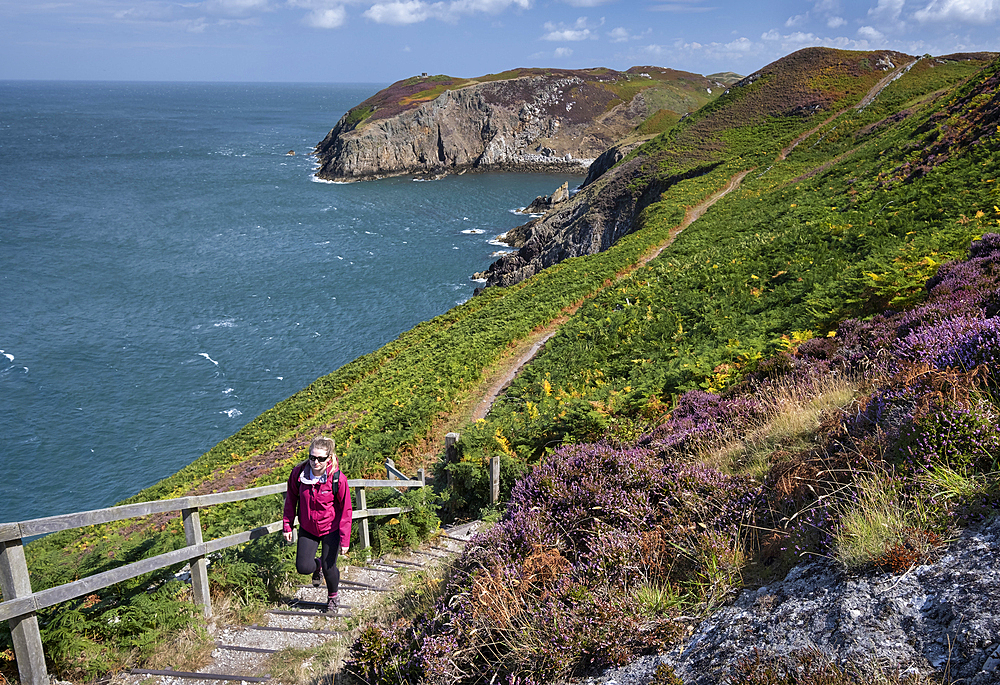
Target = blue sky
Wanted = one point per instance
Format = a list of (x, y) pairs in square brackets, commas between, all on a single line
[(380, 41)]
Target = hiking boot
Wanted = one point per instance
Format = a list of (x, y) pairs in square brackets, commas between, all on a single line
[(317, 574), (332, 604)]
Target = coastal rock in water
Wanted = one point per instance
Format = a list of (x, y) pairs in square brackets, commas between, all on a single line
[(544, 203), (531, 119)]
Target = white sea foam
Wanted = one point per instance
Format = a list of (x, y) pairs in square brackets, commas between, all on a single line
[(228, 323), (232, 413), (9, 356), (316, 179), (473, 231), (202, 354), (496, 242), (478, 280), (501, 253), (228, 391), (325, 242)]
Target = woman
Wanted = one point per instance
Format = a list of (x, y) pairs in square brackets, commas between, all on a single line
[(318, 491)]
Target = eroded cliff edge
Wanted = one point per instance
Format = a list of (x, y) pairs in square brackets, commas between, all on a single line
[(527, 119)]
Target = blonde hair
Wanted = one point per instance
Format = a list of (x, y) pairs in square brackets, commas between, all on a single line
[(324, 443)]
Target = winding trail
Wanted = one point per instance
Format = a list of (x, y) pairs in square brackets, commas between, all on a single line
[(513, 366), (509, 369)]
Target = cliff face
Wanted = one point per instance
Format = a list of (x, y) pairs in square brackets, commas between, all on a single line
[(533, 120)]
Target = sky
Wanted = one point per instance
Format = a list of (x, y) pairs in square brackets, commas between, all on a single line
[(382, 41)]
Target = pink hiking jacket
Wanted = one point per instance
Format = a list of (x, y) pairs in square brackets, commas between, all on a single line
[(319, 510)]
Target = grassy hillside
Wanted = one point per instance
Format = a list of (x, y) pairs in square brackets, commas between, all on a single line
[(597, 91), (854, 219)]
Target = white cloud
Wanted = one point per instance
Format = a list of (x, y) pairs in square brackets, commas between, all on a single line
[(887, 10), (961, 11), (581, 30), (399, 13), (563, 52), (587, 3), (835, 22), (870, 33), (827, 6), (739, 45), (797, 20), (619, 35), (412, 11), (330, 18)]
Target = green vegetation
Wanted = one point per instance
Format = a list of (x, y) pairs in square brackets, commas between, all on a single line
[(853, 221)]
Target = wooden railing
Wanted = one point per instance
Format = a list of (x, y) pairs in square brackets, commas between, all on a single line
[(21, 604)]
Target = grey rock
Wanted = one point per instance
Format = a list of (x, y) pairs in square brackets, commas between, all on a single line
[(944, 615), (523, 123)]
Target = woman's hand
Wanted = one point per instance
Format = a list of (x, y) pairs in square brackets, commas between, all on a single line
[(343, 550), (288, 536)]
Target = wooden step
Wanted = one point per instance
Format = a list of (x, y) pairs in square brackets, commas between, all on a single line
[(277, 629), (283, 612), (240, 648), (201, 676)]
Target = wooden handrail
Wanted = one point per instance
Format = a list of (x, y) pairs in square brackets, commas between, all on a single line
[(21, 603), (53, 524)]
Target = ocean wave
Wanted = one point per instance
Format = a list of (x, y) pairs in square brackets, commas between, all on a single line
[(9, 356), (501, 253), (226, 323), (496, 242), (232, 413), (478, 280), (473, 231), (205, 355)]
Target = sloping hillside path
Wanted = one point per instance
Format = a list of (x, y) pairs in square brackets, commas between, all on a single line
[(247, 653), (242, 652)]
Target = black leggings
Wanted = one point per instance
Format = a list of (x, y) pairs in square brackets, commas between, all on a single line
[(305, 556)]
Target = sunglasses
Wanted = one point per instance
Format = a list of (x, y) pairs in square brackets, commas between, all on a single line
[(313, 457)]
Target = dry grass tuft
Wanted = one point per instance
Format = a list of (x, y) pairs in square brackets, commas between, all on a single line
[(189, 650)]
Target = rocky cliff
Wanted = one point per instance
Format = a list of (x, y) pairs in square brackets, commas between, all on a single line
[(525, 119)]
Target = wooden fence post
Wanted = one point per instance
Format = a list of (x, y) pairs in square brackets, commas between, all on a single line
[(362, 505), (451, 457), (451, 447), (15, 582), (494, 479), (199, 565)]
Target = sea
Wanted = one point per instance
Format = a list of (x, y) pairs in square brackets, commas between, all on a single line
[(170, 270)]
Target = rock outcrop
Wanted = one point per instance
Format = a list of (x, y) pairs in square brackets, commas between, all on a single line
[(591, 222), (533, 120), (544, 203), (943, 616)]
